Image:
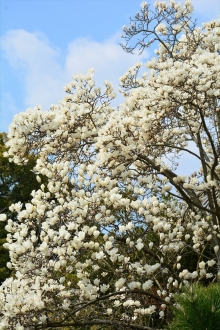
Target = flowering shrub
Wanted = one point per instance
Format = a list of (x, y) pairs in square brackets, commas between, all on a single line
[(106, 241)]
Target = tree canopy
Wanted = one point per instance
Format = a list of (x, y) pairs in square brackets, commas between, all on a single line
[(115, 232)]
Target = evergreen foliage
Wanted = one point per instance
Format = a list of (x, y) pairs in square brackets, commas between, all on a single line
[(198, 308)]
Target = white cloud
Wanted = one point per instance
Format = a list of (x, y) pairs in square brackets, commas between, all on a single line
[(107, 58), (38, 65), (44, 70)]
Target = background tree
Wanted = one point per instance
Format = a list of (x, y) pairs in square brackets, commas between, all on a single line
[(97, 245), (16, 185)]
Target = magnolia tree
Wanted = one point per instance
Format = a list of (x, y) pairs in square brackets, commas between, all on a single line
[(116, 231)]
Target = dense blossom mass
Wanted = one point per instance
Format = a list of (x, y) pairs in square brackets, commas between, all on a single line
[(115, 231)]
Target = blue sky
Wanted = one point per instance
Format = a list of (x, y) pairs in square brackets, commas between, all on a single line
[(44, 42)]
